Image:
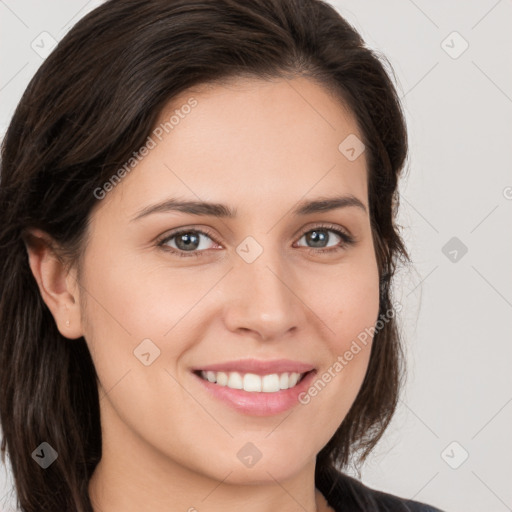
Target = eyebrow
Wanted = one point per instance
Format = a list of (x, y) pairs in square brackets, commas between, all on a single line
[(223, 211)]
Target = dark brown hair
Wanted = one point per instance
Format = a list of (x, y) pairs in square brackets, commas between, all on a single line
[(94, 101)]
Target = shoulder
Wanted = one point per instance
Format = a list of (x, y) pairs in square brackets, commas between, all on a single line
[(343, 492)]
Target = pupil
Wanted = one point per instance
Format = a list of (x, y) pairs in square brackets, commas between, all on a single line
[(318, 238), (187, 241)]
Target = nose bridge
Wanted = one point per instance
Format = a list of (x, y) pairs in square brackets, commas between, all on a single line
[(262, 299)]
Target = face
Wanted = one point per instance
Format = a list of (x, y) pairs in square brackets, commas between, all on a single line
[(282, 285)]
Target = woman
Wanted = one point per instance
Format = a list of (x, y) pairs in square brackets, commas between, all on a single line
[(197, 245)]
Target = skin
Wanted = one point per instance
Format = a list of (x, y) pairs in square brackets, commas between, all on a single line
[(260, 147)]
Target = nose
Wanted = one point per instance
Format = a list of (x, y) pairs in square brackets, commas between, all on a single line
[(263, 298)]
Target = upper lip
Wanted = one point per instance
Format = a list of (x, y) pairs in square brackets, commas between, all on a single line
[(259, 366)]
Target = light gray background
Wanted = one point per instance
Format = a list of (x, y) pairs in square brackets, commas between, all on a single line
[(457, 314)]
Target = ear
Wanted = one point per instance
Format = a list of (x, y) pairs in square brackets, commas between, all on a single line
[(58, 285)]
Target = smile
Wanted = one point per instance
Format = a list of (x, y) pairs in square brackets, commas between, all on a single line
[(252, 383)]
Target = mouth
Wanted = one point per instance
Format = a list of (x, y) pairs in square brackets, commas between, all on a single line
[(255, 387), (256, 394), (252, 382)]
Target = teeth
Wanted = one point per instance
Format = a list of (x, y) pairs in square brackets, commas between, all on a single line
[(294, 377), (284, 381), (222, 379), (270, 383), (253, 383), (235, 381)]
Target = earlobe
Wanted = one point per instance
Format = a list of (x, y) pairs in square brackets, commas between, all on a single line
[(57, 285)]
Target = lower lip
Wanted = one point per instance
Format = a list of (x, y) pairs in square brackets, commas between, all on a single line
[(259, 403)]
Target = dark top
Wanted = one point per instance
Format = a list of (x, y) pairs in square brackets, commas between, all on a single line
[(346, 494)]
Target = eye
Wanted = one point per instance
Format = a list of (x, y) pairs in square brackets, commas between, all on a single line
[(326, 239), (194, 242), (191, 241)]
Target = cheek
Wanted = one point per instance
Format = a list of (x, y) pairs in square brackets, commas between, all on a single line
[(347, 301), (357, 309), (131, 302), (142, 322), (348, 304), (136, 316)]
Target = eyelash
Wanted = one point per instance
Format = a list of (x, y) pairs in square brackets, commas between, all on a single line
[(347, 240)]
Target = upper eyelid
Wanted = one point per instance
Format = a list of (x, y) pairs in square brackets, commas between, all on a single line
[(329, 226), (202, 231)]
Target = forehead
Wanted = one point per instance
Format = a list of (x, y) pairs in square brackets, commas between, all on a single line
[(299, 109), (248, 141)]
